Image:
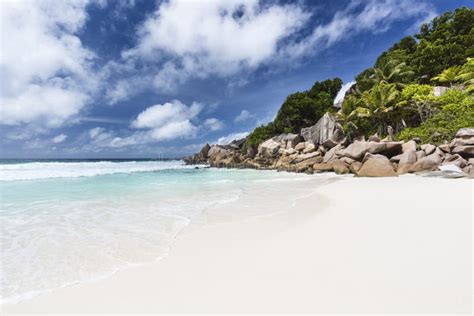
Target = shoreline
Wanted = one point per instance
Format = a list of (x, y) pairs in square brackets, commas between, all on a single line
[(307, 258)]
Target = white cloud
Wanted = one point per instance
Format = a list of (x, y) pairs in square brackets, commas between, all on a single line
[(340, 95), (59, 139), (169, 121), (185, 40), (374, 16), (243, 116), (213, 124), (46, 65), (229, 138), (101, 138), (220, 38), (160, 114), (95, 132)]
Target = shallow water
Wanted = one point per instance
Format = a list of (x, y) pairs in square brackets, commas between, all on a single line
[(69, 222)]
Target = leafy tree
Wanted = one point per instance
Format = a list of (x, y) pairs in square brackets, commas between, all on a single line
[(260, 134), (376, 105), (304, 109), (456, 111), (449, 76), (326, 89), (466, 75), (445, 42), (364, 81), (392, 72), (353, 124), (417, 100)]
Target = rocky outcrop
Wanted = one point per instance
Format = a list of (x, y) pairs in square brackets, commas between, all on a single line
[(288, 140), (373, 158), (407, 159), (269, 148), (326, 129), (340, 167), (377, 166), (463, 143), (428, 163), (199, 158)]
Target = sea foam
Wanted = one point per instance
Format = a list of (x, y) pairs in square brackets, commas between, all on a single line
[(45, 170), (66, 223)]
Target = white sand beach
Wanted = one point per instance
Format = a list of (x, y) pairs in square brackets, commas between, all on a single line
[(357, 245)]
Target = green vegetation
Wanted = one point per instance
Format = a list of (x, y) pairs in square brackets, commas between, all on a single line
[(398, 90), (260, 134), (299, 110), (456, 110)]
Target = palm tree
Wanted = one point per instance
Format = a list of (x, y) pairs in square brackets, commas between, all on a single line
[(376, 105), (392, 72), (348, 121), (449, 76), (466, 75)]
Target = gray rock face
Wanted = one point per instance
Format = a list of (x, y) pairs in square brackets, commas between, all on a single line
[(205, 150), (288, 152), (288, 140), (420, 154), (340, 167), (309, 148), (355, 166), (410, 145), (303, 157), (377, 166), (464, 151), (462, 142), (445, 148), (269, 148), (465, 133), (439, 91), (301, 146), (374, 138), (428, 148), (428, 163), (407, 159), (326, 128), (219, 156), (331, 154), (356, 150), (199, 158), (455, 160), (324, 166)]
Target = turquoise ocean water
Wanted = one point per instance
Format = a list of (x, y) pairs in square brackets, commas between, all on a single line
[(77, 221)]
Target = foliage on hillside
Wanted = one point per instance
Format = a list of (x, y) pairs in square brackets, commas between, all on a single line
[(456, 110), (398, 90), (299, 110)]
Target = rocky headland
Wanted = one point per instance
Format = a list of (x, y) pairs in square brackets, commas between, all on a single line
[(324, 148)]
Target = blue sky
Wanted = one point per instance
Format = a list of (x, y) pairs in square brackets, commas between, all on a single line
[(143, 78)]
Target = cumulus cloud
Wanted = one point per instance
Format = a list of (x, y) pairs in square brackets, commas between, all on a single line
[(157, 123), (198, 39), (169, 121), (47, 67), (185, 40), (213, 124), (243, 116), (59, 139)]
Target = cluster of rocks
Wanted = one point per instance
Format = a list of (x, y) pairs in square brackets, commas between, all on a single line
[(323, 148)]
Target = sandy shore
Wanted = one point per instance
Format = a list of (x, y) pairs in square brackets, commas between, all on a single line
[(354, 246)]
